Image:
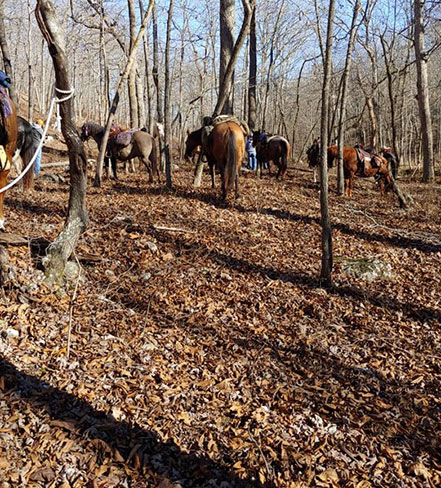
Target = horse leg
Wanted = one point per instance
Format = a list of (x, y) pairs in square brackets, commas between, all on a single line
[(224, 190), (236, 187), (314, 174), (351, 184), (211, 165), (113, 159), (3, 182), (149, 169)]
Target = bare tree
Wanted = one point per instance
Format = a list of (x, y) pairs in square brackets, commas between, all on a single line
[(64, 245), (325, 276), (423, 91), (115, 102), (252, 77), (134, 122), (226, 16), (167, 124), (343, 99), (5, 51)]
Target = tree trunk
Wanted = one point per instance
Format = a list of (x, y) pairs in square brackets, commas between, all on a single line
[(63, 246), (5, 53), (341, 130), (225, 85), (125, 75), (326, 270), (133, 102), (252, 78), (167, 125), (390, 83), (423, 92), (29, 53), (149, 121), (226, 14)]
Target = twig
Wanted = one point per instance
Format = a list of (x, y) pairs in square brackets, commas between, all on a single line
[(269, 469), (172, 229), (72, 302)]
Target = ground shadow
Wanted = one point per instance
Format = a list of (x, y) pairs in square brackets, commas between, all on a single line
[(34, 208), (122, 437), (396, 241)]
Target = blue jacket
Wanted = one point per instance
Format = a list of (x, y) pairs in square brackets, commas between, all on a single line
[(249, 148)]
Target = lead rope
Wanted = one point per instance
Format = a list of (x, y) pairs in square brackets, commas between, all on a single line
[(69, 94)]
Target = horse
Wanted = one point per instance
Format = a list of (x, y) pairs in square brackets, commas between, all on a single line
[(193, 147), (124, 145), (8, 143), (28, 140), (374, 165), (224, 149), (275, 149)]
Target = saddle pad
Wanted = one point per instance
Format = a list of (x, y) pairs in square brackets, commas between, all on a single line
[(5, 103), (124, 138)]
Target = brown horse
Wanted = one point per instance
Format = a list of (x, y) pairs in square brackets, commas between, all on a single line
[(124, 145), (376, 166), (224, 149), (8, 143), (274, 149)]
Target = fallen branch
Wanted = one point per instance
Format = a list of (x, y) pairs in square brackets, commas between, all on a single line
[(172, 229)]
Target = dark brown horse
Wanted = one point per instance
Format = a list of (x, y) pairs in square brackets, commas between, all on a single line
[(224, 149), (274, 149), (124, 146), (8, 143), (376, 166)]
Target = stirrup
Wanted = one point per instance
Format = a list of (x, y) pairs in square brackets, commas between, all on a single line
[(3, 157)]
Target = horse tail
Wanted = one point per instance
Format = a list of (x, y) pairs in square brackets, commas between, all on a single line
[(32, 140), (231, 157)]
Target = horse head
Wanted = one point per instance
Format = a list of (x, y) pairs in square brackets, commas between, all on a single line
[(313, 154), (191, 143), (84, 132)]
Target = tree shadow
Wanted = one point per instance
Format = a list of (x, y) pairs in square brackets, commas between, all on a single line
[(122, 437), (396, 241), (34, 208)]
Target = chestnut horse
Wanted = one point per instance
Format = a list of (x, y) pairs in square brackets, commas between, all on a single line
[(275, 149), (377, 166), (224, 149), (8, 143)]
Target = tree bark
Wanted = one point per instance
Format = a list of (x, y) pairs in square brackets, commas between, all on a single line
[(64, 245), (341, 131), (390, 83), (226, 15), (225, 85), (423, 92), (5, 53), (133, 103), (252, 78), (115, 102), (326, 270), (167, 125)]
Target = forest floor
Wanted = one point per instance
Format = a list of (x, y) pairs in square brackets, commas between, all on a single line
[(202, 351)]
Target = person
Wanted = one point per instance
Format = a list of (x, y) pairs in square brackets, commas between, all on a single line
[(38, 126), (251, 151)]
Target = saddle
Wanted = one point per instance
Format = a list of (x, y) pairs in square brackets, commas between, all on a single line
[(209, 123), (367, 164), (124, 138)]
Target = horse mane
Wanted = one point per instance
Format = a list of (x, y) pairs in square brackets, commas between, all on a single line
[(93, 128)]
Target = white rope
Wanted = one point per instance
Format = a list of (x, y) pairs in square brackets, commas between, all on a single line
[(40, 145)]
